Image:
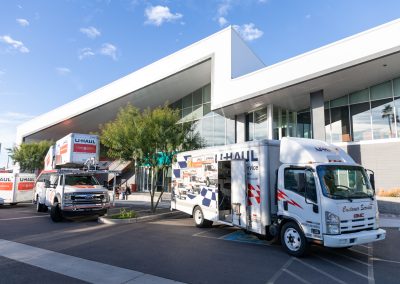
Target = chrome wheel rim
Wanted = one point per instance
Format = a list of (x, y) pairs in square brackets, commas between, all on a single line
[(292, 239), (198, 217)]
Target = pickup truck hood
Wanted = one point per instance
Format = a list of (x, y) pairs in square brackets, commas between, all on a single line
[(84, 188)]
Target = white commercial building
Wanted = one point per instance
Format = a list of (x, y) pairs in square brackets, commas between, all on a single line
[(347, 93)]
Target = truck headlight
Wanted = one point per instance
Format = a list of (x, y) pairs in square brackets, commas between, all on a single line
[(67, 196), (376, 225), (332, 223)]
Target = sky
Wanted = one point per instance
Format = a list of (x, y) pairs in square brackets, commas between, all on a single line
[(54, 51)]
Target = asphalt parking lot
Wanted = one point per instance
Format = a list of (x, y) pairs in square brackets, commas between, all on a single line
[(173, 249)]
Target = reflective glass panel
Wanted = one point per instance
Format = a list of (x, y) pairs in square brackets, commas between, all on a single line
[(381, 91), (260, 124), (383, 119), (361, 121), (340, 126)]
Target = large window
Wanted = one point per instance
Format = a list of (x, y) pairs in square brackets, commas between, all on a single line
[(372, 113), (212, 127), (257, 125)]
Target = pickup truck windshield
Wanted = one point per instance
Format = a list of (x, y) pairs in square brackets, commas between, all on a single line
[(344, 182), (80, 180)]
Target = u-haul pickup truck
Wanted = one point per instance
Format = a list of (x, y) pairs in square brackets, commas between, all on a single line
[(16, 187), (71, 192), (300, 190)]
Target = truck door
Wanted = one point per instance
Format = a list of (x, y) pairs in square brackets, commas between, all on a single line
[(299, 200), (239, 193)]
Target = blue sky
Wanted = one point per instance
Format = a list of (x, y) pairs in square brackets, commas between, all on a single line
[(53, 51)]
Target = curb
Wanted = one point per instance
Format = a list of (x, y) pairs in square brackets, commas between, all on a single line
[(105, 220)]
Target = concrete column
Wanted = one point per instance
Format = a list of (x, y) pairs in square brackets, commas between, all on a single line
[(318, 114), (241, 128), (270, 122)]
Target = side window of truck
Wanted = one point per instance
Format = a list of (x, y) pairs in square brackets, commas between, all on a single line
[(294, 180)]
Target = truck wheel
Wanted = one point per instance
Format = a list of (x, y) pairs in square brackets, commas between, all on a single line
[(14, 203), (55, 212), (293, 239), (199, 220)]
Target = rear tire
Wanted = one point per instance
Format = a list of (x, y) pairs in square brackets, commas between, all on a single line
[(55, 213), (13, 204), (199, 220), (293, 239)]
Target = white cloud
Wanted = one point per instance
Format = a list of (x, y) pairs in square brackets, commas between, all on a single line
[(14, 44), (85, 52), (222, 21), (23, 22), (109, 50), (224, 7), (19, 6), (308, 16), (157, 15), (90, 32), (248, 31), (63, 71)]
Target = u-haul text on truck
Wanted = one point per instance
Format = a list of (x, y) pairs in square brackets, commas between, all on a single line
[(68, 186), (16, 187), (300, 190)]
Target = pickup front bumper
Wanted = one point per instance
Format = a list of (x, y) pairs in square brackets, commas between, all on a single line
[(352, 239), (69, 210)]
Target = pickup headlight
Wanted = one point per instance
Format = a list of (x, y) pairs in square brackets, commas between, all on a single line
[(376, 225), (332, 223), (67, 196)]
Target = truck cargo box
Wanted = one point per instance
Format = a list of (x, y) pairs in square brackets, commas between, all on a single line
[(16, 188), (75, 149)]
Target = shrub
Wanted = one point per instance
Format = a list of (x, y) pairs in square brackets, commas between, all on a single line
[(124, 214), (394, 192)]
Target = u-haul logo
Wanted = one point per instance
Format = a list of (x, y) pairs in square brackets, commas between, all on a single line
[(5, 179), (85, 140), (26, 179), (242, 155)]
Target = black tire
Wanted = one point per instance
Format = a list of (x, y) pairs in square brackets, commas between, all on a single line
[(55, 212), (13, 204), (39, 206), (293, 239), (199, 220)]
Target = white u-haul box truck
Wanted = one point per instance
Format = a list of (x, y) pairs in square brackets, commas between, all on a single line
[(16, 187), (67, 185), (300, 190)]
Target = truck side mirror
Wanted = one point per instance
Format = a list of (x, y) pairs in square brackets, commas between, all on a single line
[(372, 178)]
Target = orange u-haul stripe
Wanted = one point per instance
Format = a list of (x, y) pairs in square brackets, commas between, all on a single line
[(26, 185), (6, 185), (64, 149)]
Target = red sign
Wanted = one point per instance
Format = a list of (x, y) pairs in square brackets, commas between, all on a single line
[(6, 185), (26, 185), (84, 148)]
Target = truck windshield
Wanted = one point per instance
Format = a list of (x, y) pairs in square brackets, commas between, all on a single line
[(344, 182), (80, 180)]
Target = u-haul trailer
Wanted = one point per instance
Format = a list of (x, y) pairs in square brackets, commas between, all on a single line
[(16, 187), (299, 190)]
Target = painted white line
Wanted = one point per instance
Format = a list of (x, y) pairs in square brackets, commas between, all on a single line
[(385, 260), (342, 266), (280, 271), (357, 251), (320, 271), (371, 277), (299, 278), (346, 256), (19, 218), (202, 232), (82, 269)]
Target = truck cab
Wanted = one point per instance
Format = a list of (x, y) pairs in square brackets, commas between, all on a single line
[(70, 193), (323, 197)]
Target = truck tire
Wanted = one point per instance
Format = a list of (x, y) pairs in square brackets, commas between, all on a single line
[(39, 206), (55, 212), (13, 203), (293, 239), (199, 220)]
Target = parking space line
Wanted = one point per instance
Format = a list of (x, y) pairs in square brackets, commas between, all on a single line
[(342, 266), (386, 260), (299, 278), (199, 234), (320, 271), (371, 278), (348, 257), (79, 268), (357, 251), (29, 217), (280, 271)]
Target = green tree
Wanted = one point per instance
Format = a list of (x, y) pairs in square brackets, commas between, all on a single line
[(149, 138), (30, 156)]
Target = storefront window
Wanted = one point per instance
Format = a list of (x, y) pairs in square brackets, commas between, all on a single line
[(383, 123), (304, 124), (361, 121), (261, 124), (397, 109), (340, 125)]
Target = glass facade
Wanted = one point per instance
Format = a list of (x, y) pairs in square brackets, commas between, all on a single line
[(214, 128), (372, 113)]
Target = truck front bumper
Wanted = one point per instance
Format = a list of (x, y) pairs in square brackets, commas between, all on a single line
[(352, 239)]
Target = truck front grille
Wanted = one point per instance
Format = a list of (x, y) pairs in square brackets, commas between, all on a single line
[(355, 225)]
